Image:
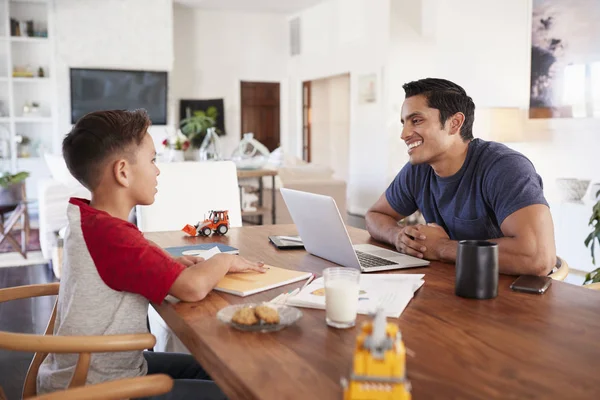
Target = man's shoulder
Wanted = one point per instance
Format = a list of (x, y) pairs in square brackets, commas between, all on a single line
[(493, 154)]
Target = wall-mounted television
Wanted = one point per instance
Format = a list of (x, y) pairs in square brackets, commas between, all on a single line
[(109, 89)]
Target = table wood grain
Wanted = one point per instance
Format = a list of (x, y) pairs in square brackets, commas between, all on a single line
[(517, 345)]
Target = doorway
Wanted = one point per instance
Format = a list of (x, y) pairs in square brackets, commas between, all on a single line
[(326, 123), (260, 112)]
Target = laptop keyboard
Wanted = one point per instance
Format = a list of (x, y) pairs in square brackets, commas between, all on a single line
[(368, 260)]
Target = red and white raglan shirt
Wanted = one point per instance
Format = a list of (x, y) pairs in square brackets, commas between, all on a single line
[(109, 275)]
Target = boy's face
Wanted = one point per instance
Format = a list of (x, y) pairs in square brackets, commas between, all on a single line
[(144, 173)]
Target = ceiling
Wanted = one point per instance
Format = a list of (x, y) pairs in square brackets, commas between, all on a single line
[(265, 6)]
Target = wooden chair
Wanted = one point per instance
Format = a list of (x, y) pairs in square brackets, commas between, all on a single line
[(14, 203), (44, 344), (563, 270)]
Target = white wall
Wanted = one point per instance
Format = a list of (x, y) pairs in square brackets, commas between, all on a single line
[(132, 34), (215, 50), (330, 124), (485, 46), (347, 36)]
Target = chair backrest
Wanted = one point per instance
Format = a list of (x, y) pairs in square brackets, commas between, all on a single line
[(44, 344), (141, 386), (187, 191), (563, 270)]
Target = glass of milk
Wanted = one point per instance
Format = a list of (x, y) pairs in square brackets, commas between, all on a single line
[(341, 296)]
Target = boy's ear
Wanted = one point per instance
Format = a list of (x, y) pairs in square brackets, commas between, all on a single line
[(121, 172)]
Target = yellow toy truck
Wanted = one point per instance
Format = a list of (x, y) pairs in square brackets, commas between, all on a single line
[(379, 370)]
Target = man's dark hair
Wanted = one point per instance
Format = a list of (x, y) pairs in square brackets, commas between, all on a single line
[(100, 135), (448, 98)]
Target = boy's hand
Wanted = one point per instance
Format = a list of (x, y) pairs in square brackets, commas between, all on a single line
[(188, 261), (240, 264)]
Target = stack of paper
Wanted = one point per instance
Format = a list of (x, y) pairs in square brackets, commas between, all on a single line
[(392, 292)]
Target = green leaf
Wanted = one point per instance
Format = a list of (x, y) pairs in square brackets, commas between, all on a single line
[(10, 179)]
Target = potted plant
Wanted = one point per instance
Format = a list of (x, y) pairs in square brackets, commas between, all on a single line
[(177, 145), (196, 125), (594, 236), (11, 187)]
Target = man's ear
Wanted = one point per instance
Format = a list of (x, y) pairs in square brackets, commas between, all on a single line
[(121, 172), (456, 122)]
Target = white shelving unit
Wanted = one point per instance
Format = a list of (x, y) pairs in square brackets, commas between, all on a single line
[(34, 52)]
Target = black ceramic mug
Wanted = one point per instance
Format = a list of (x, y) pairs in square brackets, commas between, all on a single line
[(477, 269)]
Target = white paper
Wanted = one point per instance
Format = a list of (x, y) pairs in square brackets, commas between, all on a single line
[(206, 254), (391, 292)]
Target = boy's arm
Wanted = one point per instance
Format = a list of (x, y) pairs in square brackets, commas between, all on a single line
[(194, 283), (188, 261)]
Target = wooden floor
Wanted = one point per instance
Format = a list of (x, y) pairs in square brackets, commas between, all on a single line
[(24, 316)]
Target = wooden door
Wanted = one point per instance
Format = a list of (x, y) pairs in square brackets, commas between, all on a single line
[(260, 112), (306, 122)]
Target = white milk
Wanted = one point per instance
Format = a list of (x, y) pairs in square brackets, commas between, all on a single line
[(341, 300)]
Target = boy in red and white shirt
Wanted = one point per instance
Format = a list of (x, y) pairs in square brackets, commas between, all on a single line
[(110, 271)]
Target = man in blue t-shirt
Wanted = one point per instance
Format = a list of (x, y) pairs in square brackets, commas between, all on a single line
[(465, 188)]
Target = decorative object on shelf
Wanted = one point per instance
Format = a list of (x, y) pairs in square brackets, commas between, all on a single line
[(250, 153), (176, 145), (4, 147), (28, 28), (22, 71), (41, 72), (210, 150), (195, 126), (590, 241), (23, 146), (572, 189), (31, 109)]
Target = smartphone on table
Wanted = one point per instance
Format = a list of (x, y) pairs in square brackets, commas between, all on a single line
[(531, 284), (287, 242)]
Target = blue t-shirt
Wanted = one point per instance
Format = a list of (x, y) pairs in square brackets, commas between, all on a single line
[(493, 183)]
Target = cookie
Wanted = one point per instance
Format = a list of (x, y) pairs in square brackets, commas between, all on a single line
[(245, 316), (267, 314)]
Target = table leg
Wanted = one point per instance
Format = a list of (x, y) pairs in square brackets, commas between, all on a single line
[(260, 199), (273, 200)]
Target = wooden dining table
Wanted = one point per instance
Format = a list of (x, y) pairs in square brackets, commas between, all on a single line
[(518, 345)]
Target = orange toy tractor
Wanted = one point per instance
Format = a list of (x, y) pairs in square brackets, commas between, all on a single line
[(217, 221)]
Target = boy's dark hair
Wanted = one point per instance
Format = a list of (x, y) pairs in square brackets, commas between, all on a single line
[(448, 98), (99, 135)]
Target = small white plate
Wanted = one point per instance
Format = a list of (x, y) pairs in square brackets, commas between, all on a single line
[(287, 316)]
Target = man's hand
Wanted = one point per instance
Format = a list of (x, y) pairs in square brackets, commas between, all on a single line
[(188, 261), (406, 241), (240, 264), (433, 237), (422, 241)]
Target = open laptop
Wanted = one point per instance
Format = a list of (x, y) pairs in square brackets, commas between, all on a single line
[(324, 235)]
